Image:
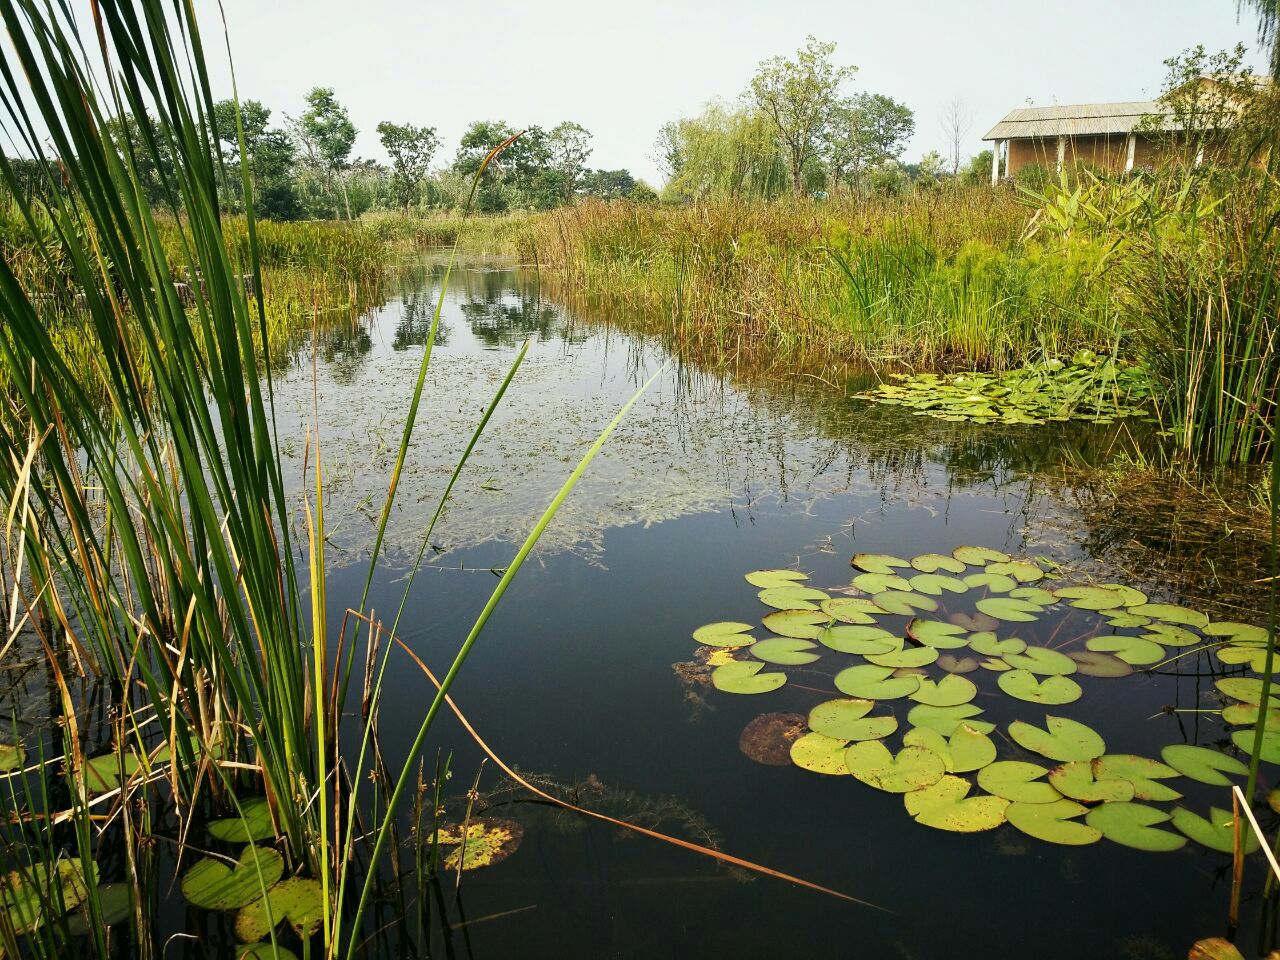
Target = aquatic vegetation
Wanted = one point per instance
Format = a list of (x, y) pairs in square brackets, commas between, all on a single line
[(913, 619), (1089, 387)]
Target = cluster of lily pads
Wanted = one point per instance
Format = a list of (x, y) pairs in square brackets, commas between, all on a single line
[(918, 629), (1100, 390)]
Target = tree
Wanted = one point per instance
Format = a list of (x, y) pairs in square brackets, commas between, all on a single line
[(956, 121), (270, 154), (978, 170), (728, 151), (866, 131), (411, 149), (1205, 96), (608, 184), (569, 145), (799, 97), (930, 170), (327, 134)]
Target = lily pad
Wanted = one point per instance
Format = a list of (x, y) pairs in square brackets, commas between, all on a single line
[(1009, 608), (950, 691), (868, 681), (878, 562), (744, 676), (859, 639), (1091, 598), (1238, 632), (253, 824), (943, 793), (989, 645), (945, 720), (1134, 651), (964, 814), (933, 562), (995, 665), (851, 609), (11, 756), (1171, 613), (1021, 570), (1017, 781), (115, 905), (1270, 744), (1203, 764), (1247, 713), (912, 769), (784, 651), (1053, 822), (1051, 691), (300, 903), (910, 657), (1133, 825), (1077, 781), (1142, 772), (953, 664), (1092, 663), (935, 584), (966, 750), (1133, 597), (1117, 618), (1041, 660), (26, 894), (1062, 740), (801, 624), (1170, 635), (215, 886), (819, 753), (792, 598), (936, 633), (880, 582), (1248, 689), (1036, 595), (774, 578), (1254, 657), (973, 621), (995, 582), (847, 720), (768, 738), (724, 634), (103, 773), (978, 556), (1217, 832), (905, 604)]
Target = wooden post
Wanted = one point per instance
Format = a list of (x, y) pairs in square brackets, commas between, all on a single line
[(995, 162), (1130, 148), (1062, 152)]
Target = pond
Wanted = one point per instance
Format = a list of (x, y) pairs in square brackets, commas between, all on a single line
[(587, 681)]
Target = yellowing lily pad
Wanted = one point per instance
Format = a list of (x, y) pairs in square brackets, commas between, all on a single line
[(792, 598), (1021, 570), (978, 556), (774, 578), (819, 753), (801, 624), (744, 676), (1171, 613), (724, 634), (880, 582), (945, 720), (912, 769), (878, 562), (297, 901), (935, 584), (1017, 781), (847, 720), (851, 609), (933, 562), (994, 582)]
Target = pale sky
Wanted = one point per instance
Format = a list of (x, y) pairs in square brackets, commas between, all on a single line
[(621, 70)]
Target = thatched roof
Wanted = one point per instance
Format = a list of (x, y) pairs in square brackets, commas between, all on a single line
[(1077, 120)]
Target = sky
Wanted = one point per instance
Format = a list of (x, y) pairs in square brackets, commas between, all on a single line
[(622, 70)]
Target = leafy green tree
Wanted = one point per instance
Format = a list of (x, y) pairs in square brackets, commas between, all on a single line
[(478, 140), (800, 97), (728, 151), (978, 170), (271, 155), (568, 146), (930, 170), (607, 184), (411, 149), (327, 136), (865, 131)]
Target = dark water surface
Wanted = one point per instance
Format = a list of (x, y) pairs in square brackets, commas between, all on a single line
[(573, 681)]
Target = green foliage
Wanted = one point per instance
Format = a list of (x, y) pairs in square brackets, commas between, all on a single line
[(726, 152), (866, 132), (411, 149)]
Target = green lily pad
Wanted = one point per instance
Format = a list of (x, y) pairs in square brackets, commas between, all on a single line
[(1132, 596), (1270, 744), (1142, 772), (966, 750), (27, 894), (1009, 608), (979, 556), (851, 609), (1217, 832), (847, 720), (905, 604), (1091, 598), (11, 756), (876, 583), (859, 639), (1132, 650), (253, 824), (1170, 635), (964, 814), (818, 753), (1238, 632), (1041, 660), (1036, 595), (987, 644), (1125, 619), (300, 903), (744, 676), (995, 665), (1051, 691), (1254, 657), (1063, 740), (945, 720), (943, 793), (1247, 713), (792, 598), (869, 681), (933, 562), (1092, 663), (953, 664), (1133, 825), (1203, 764), (936, 633), (724, 634), (774, 578), (878, 562), (1076, 780), (103, 773), (935, 584), (784, 651), (215, 886), (1053, 822), (995, 582), (1171, 613), (1017, 781), (1248, 689), (912, 769), (909, 657), (801, 624), (1021, 570), (950, 691)]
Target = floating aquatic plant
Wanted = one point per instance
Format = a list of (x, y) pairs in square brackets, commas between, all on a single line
[(907, 629), (1092, 388)]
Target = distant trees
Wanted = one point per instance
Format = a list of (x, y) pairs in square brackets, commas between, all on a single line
[(270, 154), (865, 131), (410, 149), (800, 97), (327, 135), (728, 151)]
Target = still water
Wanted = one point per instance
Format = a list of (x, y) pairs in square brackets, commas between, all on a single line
[(577, 680)]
